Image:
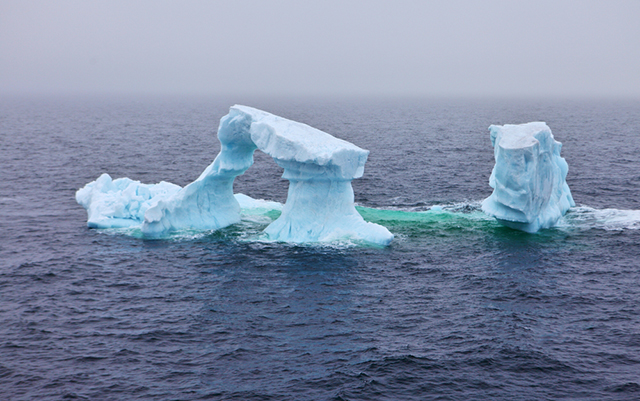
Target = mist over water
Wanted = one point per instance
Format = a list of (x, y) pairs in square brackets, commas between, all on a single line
[(457, 307)]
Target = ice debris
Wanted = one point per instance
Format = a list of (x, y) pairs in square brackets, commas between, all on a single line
[(122, 202)]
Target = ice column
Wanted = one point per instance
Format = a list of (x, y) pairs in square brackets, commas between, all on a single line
[(530, 191)]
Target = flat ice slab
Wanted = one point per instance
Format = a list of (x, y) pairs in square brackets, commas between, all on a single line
[(530, 191), (293, 142)]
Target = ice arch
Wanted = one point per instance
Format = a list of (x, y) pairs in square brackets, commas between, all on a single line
[(320, 202)]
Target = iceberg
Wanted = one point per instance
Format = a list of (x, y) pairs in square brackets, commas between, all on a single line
[(530, 191), (320, 202)]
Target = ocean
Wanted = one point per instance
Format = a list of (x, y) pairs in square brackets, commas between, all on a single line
[(456, 308)]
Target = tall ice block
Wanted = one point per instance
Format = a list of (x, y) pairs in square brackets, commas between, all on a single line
[(530, 191)]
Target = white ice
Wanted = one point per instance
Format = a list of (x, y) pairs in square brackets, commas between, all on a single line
[(320, 202), (530, 191), (122, 202)]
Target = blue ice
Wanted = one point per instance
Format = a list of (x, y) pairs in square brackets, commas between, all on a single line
[(320, 201), (530, 190)]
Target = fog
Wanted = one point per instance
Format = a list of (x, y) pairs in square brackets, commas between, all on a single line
[(325, 48)]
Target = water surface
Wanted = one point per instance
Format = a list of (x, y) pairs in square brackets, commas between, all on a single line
[(456, 308)]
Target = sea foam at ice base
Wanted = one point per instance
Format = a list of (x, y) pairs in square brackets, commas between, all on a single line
[(530, 191), (320, 201)]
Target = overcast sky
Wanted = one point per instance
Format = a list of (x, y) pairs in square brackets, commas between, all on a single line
[(418, 48)]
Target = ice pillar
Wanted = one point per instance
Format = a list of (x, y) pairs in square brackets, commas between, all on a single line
[(320, 208), (530, 191)]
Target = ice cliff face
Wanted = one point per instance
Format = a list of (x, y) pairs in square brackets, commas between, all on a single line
[(529, 177), (320, 201)]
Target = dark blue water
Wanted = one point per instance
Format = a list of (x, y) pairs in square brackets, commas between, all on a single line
[(457, 308)]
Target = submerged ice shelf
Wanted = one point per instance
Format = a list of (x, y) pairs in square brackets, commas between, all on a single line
[(530, 190), (320, 201)]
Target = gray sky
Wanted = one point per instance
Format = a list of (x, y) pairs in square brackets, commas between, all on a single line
[(557, 48)]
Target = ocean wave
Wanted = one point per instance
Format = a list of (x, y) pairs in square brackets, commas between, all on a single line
[(588, 218)]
